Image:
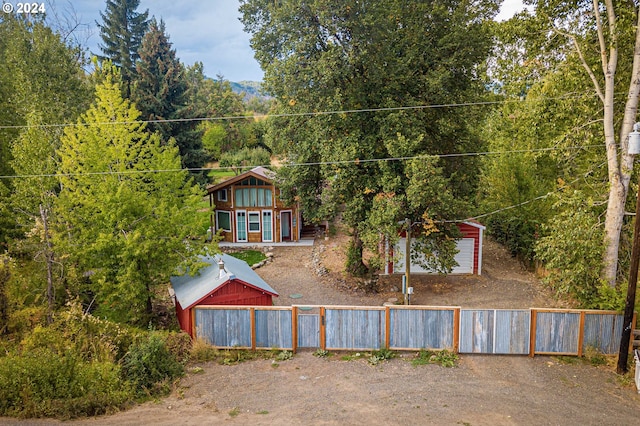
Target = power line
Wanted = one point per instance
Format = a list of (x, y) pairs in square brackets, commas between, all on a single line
[(283, 115), (319, 163)]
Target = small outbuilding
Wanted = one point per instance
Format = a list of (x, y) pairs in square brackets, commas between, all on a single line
[(226, 281), (469, 256)]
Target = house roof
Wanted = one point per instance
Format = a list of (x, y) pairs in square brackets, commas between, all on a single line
[(259, 172), (190, 290)]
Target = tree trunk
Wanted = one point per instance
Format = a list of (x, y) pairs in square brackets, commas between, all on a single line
[(355, 265), (5, 275), (48, 255)]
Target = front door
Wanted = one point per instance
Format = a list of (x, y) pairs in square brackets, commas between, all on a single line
[(241, 226), (285, 226)]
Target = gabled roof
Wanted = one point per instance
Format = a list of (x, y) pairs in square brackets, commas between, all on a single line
[(258, 172), (190, 290)]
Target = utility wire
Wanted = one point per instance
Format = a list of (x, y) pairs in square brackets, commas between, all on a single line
[(283, 115), (319, 163)]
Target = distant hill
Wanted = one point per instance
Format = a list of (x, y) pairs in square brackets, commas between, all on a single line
[(249, 88)]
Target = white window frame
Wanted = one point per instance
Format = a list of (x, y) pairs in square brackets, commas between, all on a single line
[(249, 221), (220, 197), (230, 221)]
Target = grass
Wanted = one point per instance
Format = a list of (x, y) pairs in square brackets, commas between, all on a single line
[(444, 358), (217, 175), (250, 256)]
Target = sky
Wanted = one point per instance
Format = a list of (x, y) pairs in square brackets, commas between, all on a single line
[(208, 31)]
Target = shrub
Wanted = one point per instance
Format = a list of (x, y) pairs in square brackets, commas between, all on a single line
[(149, 365), (44, 383)]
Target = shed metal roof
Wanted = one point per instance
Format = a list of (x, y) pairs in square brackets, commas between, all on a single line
[(190, 290)]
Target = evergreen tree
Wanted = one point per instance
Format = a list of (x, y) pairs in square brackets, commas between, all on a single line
[(121, 220), (161, 93), (122, 31)]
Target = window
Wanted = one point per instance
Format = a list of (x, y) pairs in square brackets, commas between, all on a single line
[(222, 195), (253, 197), (254, 222), (223, 220)]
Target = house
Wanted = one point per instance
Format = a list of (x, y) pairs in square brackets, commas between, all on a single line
[(469, 256), (248, 209), (226, 281)]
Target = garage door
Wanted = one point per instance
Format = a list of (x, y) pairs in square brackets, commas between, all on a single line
[(464, 258)]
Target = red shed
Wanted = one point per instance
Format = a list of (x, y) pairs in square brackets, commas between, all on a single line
[(469, 257), (226, 281)]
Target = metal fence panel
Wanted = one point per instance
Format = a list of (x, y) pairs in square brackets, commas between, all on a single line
[(557, 332), (603, 331), (273, 329), (350, 329), (227, 328), (308, 330), (477, 330), (512, 332), (421, 328)]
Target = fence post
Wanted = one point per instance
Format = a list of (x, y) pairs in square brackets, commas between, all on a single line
[(581, 332), (252, 316), (323, 337), (456, 329), (294, 329), (532, 333), (387, 327)]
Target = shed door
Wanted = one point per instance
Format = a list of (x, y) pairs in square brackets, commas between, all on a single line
[(464, 257)]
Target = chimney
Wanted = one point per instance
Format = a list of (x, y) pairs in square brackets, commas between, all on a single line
[(222, 271)]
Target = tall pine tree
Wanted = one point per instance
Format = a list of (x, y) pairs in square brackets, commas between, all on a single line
[(161, 93), (122, 31)]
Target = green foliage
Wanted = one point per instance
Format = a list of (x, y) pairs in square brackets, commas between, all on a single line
[(201, 351), (444, 358), (338, 57), (150, 366), (45, 383), (160, 92), (140, 219), (321, 353), (573, 248), (284, 356), (245, 159), (250, 256), (380, 355)]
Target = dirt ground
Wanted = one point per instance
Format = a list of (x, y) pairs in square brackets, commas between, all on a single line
[(481, 390)]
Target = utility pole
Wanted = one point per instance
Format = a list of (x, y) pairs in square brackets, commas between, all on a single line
[(407, 261), (627, 326)]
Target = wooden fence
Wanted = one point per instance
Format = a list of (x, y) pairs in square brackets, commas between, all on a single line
[(483, 331)]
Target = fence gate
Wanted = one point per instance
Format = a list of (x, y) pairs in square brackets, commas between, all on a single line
[(495, 331), (308, 327)]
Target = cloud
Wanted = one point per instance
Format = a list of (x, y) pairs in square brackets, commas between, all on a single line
[(207, 31)]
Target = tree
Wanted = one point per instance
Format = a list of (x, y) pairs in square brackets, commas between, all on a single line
[(324, 56), (604, 35), (121, 32), (45, 87), (161, 93), (129, 216)]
